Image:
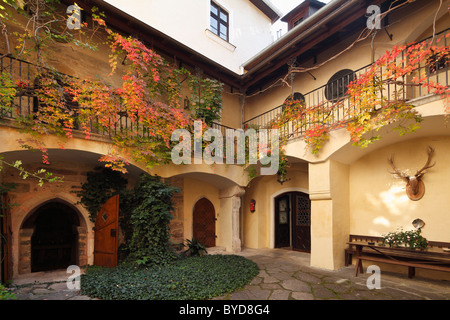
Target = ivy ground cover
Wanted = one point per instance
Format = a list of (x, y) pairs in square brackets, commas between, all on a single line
[(192, 278)]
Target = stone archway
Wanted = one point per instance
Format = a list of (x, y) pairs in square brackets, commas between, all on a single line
[(52, 236)]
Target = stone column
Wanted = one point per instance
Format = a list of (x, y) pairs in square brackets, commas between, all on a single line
[(230, 205), (235, 239)]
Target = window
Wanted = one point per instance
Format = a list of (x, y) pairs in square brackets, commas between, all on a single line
[(336, 87), (219, 21), (436, 62), (298, 105), (298, 21), (297, 96)]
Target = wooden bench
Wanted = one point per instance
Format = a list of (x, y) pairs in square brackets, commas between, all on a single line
[(369, 248), (351, 250)]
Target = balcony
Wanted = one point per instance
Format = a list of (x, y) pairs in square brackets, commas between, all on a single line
[(24, 79), (330, 102), (329, 105)]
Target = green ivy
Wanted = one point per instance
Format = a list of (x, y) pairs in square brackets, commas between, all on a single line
[(206, 98), (5, 294), (191, 278), (144, 213), (102, 184), (149, 219)]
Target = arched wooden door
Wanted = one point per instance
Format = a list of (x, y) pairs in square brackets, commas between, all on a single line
[(106, 229), (204, 222)]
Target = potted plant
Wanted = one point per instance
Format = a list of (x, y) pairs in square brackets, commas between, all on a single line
[(411, 239)]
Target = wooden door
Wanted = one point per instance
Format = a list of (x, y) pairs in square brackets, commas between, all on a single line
[(282, 221), (301, 222), (106, 229), (204, 222), (6, 241)]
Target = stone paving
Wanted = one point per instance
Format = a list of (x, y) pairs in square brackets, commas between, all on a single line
[(284, 275), (287, 275), (50, 285)]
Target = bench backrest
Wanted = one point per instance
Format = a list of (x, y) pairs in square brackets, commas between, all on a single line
[(431, 244)]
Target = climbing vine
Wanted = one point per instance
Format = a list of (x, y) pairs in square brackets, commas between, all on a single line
[(138, 116), (145, 211), (150, 217), (100, 185), (368, 107), (206, 98)]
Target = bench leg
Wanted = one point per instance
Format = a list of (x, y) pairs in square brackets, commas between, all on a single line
[(348, 259), (411, 272), (358, 266)]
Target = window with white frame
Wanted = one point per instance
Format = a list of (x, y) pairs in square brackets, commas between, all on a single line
[(219, 21)]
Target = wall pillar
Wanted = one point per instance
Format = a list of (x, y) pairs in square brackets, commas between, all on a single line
[(25, 250), (82, 246), (229, 218), (329, 194)]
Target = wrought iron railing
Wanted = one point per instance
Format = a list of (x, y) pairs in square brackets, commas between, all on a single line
[(25, 104), (333, 97)]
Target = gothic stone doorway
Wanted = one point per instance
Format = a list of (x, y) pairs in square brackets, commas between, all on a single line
[(52, 237), (204, 222), (293, 221)]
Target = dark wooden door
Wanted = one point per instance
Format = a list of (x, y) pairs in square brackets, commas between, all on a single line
[(282, 221), (107, 233), (301, 222), (6, 241), (204, 222)]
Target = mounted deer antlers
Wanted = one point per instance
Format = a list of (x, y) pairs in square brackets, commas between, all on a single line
[(415, 187)]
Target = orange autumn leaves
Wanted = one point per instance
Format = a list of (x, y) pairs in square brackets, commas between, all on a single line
[(139, 116), (377, 97)]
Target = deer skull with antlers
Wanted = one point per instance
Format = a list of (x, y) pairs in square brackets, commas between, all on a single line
[(415, 188)]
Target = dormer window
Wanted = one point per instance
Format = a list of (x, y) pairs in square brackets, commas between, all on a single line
[(219, 21), (297, 22), (299, 14)]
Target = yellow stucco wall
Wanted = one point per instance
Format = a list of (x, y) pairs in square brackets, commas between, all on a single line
[(258, 226), (379, 203), (194, 190)]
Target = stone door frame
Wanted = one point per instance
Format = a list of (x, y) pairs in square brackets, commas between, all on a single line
[(25, 234)]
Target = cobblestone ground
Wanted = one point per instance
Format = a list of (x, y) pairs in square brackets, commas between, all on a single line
[(283, 275), (48, 291), (50, 285), (286, 275)]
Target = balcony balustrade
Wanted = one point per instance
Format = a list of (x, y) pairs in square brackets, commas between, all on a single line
[(333, 106)]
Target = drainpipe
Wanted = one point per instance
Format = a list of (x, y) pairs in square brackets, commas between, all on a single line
[(373, 46), (242, 105)]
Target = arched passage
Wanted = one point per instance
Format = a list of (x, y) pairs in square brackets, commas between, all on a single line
[(53, 236)]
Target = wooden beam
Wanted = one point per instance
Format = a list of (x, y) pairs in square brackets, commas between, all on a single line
[(305, 46)]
